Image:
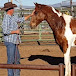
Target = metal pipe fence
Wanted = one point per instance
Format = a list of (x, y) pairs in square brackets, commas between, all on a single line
[(34, 35), (59, 67)]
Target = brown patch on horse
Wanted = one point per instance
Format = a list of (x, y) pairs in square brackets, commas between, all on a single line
[(58, 26), (73, 25), (75, 42)]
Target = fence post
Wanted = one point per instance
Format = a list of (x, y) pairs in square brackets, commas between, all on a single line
[(61, 70), (73, 69)]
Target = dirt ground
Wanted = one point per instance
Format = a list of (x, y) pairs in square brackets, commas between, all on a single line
[(37, 50)]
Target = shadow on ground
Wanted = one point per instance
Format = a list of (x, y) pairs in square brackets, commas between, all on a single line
[(51, 60)]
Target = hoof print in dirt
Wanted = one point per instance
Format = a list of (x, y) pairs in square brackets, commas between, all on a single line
[(46, 50)]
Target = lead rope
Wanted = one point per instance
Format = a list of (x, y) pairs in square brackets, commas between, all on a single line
[(17, 46), (16, 55)]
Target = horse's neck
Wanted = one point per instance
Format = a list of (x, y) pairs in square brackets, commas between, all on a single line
[(55, 21)]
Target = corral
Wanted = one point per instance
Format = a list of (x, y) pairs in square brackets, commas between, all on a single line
[(36, 55)]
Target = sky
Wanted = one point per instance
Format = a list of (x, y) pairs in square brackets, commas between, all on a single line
[(31, 2)]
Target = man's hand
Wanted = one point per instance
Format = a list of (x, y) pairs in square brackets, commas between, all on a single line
[(27, 17), (32, 13)]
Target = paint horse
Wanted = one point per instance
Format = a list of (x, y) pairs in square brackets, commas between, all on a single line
[(63, 27)]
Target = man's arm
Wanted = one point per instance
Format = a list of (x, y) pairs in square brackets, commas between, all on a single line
[(22, 19), (15, 32), (27, 17)]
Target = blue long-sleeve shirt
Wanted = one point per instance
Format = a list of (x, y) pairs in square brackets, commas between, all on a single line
[(10, 24)]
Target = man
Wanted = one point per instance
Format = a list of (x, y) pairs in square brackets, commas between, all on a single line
[(11, 36)]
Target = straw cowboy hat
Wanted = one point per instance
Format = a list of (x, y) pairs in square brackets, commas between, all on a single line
[(8, 6)]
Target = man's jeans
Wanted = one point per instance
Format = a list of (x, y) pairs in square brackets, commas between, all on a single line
[(13, 57)]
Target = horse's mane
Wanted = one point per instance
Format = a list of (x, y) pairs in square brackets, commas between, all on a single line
[(45, 7)]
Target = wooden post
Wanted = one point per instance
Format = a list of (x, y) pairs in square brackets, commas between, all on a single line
[(73, 70), (71, 7), (11, 0), (61, 71)]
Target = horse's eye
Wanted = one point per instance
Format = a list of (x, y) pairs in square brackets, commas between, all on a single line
[(35, 13)]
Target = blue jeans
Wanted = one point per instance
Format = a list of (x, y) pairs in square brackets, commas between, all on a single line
[(13, 57)]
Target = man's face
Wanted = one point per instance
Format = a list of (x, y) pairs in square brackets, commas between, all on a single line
[(11, 11)]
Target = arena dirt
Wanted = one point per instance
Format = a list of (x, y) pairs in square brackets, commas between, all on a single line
[(27, 51)]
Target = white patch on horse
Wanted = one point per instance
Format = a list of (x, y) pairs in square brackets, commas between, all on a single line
[(59, 14), (68, 33)]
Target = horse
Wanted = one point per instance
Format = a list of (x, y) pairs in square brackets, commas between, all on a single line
[(63, 27)]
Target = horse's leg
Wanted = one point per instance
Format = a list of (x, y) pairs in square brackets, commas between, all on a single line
[(67, 62)]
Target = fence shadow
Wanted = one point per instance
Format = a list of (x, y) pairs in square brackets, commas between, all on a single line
[(51, 60)]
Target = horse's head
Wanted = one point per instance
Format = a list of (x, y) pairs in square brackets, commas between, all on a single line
[(38, 16), (44, 12)]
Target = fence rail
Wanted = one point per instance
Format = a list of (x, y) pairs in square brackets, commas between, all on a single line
[(59, 67)]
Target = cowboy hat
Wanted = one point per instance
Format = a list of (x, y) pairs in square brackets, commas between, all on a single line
[(8, 6)]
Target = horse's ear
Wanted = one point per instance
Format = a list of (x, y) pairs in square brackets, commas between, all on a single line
[(38, 5), (35, 4)]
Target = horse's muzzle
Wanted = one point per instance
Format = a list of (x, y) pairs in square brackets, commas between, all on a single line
[(32, 26)]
